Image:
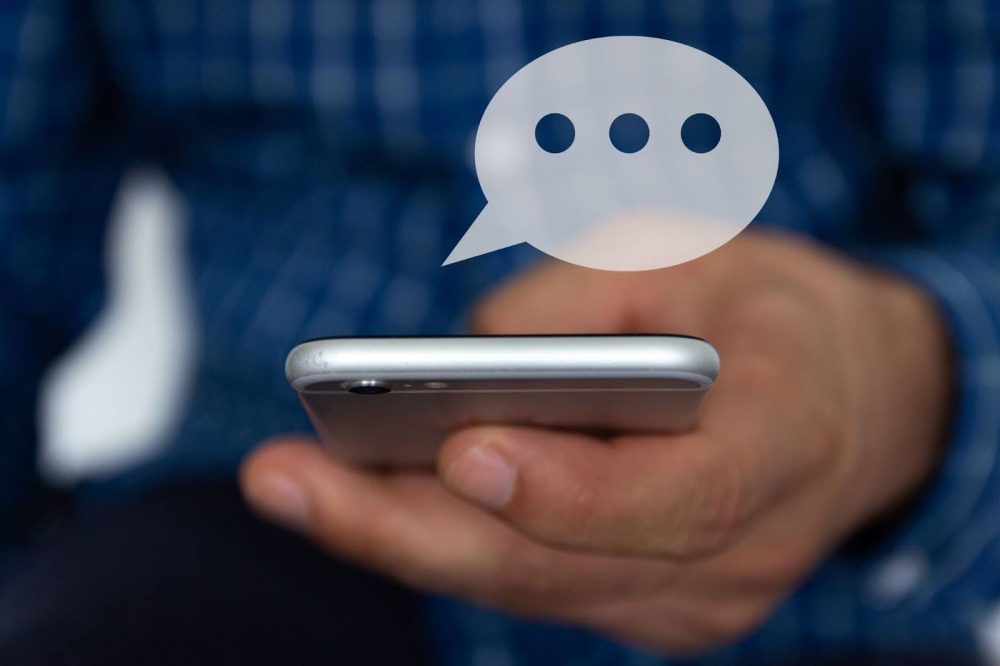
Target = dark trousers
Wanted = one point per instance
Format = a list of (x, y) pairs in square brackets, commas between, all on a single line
[(189, 576)]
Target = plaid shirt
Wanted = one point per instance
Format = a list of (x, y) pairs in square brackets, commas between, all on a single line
[(323, 149)]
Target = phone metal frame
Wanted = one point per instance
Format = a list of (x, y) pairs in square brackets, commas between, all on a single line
[(430, 386)]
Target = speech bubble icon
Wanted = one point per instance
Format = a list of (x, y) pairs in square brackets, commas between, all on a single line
[(621, 153)]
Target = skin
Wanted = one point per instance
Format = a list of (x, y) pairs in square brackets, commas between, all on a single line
[(829, 413)]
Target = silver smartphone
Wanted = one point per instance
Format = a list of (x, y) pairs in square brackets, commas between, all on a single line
[(394, 400)]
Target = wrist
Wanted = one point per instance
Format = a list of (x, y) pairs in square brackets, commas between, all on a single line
[(910, 391)]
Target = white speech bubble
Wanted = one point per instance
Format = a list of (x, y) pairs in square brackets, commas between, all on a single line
[(596, 206)]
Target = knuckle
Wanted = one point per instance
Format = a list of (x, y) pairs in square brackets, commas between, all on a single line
[(704, 515), (576, 520), (719, 511), (583, 507)]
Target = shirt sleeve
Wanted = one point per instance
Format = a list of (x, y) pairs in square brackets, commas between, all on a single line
[(939, 104), (58, 170)]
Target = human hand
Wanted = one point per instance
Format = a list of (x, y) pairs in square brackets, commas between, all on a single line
[(829, 412)]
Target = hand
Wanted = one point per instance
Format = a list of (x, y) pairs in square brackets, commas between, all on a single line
[(828, 413)]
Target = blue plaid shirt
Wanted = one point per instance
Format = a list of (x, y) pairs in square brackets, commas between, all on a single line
[(323, 149)]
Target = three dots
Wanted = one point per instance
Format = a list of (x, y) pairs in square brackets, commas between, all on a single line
[(629, 133)]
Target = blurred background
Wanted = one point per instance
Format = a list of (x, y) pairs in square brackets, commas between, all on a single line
[(113, 400)]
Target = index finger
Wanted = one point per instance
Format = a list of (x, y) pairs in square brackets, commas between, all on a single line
[(407, 526)]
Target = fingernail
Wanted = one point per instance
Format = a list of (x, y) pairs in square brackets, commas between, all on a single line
[(482, 475), (280, 499)]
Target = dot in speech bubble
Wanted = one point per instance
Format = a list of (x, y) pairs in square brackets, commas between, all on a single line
[(621, 153)]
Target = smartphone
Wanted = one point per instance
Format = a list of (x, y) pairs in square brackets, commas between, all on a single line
[(394, 400)]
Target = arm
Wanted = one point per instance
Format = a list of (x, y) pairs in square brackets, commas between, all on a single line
[(940, 116), (57, 176)]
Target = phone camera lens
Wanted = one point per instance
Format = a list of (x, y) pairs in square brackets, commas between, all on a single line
[(368, 387)]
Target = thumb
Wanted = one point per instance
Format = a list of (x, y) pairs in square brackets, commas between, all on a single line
[(649, 496)]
